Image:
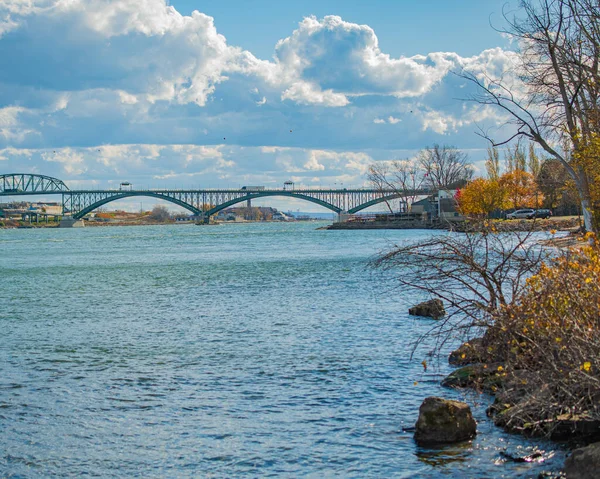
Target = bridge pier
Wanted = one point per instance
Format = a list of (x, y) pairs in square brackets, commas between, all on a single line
[(342, 216), (203, 219)]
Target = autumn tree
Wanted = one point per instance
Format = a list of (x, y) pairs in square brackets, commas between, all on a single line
[(559, 68), (553, 183), (521, 189), (481, 197)]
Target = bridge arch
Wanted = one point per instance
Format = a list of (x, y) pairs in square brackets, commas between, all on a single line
[(374, 202), (258, 194), (122, 195)]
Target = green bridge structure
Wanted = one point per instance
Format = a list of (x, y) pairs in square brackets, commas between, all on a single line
[(202, 203)]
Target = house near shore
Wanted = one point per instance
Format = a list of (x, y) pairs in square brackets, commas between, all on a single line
[(440, 205)]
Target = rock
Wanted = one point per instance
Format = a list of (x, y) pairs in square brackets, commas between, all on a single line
[(443, 421), (583, 463), (487, 377), (534, 456), (433, 308), (582, 427), (468, 353)]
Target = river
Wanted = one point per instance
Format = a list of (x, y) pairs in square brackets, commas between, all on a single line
[(243, 350)]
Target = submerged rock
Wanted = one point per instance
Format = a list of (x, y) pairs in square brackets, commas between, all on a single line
[(433, 308), (583, 463), (444, 421)]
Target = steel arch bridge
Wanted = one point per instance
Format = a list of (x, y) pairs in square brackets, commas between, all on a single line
[(202, 202)]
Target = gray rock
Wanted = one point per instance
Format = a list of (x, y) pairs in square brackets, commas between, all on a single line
[(487, 377), (444, 421), (584, 463), (433, 308), (473, 351)]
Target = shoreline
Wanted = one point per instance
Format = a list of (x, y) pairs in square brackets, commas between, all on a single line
[(99, 224), (560, 223)]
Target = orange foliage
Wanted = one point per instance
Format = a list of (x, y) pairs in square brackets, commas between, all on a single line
[(521, 189), (480, 197)]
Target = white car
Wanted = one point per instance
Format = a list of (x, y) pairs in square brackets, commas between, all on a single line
[(521, 214)]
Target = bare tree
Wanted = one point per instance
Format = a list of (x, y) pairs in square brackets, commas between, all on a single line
[(492, 163), (515, 158), (477, 273), (558, 64), (160, 213), (404, 177), (444, 167)]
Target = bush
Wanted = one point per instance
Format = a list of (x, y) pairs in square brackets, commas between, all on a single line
[(160, 213), (549, 343)]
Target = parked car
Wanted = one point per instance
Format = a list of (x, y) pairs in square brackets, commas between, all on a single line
[(521, 214), (543, 213)]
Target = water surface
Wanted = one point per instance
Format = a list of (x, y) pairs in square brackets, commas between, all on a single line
[(254, 350)]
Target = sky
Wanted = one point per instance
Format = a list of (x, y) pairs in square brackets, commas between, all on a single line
[(192, 93)]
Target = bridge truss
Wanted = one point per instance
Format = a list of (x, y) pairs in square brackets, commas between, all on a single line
[(26, 183)]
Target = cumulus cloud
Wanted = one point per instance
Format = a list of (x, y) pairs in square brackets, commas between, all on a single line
[(71, 160), (167, 97)]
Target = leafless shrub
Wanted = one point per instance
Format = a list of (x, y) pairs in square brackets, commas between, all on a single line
[(476, 274)]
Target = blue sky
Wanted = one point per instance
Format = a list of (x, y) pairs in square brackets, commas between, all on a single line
[(217, 94), (404, 27)]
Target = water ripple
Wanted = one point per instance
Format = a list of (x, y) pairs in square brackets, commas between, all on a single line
[(258, 350)]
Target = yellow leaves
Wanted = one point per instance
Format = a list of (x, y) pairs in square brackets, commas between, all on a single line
[(552, 232), (588, 280), (558, 340), (586, 366), (415, 383), (521, 189), (480, 197), (500, 369)]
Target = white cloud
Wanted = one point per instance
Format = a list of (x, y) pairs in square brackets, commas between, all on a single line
[(72, 160), (313, 164), (159, 91), (12, 128), (12, 153), (127, 98), (307, 93), (390, 119)]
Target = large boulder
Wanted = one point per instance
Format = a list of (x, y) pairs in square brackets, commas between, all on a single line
[(443, 421), (433, 308), (583, 463)]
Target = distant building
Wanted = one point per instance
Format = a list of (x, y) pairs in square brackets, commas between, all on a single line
[(440, 205), (280, 216), (22, 208)]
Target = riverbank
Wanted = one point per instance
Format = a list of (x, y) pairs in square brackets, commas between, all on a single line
[(539, 355), (566, 223), (14, 224)]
